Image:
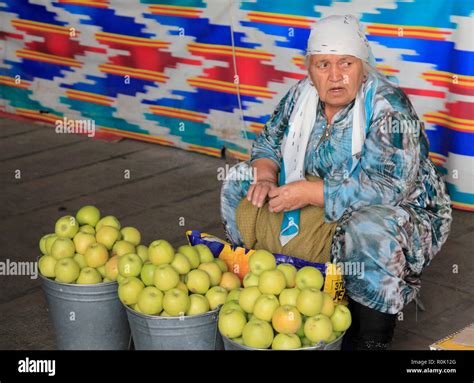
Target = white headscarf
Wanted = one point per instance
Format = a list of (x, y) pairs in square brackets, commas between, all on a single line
[(338, 35)]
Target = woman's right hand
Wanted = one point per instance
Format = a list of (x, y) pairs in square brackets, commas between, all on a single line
[(259, 190)]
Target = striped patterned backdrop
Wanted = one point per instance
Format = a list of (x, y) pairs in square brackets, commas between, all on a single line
[(204, 75)]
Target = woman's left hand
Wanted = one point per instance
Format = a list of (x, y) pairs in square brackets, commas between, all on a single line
[(295, 195)]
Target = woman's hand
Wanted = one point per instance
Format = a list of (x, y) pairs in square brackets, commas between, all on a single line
[(259, 191), (296, 195), (265, 179)]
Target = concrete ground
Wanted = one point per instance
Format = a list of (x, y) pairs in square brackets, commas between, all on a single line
[(59, 173)]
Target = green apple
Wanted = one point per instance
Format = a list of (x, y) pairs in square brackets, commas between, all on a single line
[(111, 268), (234, 295), (289, 296), (251, 317), (123, 247), (231, 323), (87, 229), (130, 265), (120, 279), (150, 301), (257, 334), (132, 235), (136, 308), (142, 252), (182, 286), (105, 280), (222, 264), (49, 243), (107, 235), (248, 297), (229, 281), (109, 220), (290, 273), (96, 255), (165, 278), (232, 305), (147, 273), (260, 261), (160, 252), (89, 276), (66, 270), (332, 338), (305, 342), (318, 328), (286, 342), (82, 241), (250, 280), (192, 254), (213, 270), (287, 319), (46, 265), (62, 248), (300, 331), (309, 276), (205, 254), (198, 305), (66, 226), (310, 301), (239, 340), (129, 290), (216, 296), (88, 215), (176, 302), (42, 243), (81, 261), (328, 305), (101, 270), (271, 282), (265, 306), (165, 314), (198, 281), (181, 264), (341, 319)]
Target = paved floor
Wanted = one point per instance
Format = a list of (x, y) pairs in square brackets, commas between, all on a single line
[(45, 175)]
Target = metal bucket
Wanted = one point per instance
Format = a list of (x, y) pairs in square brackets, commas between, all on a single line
[(336, 344), (87, 317), (197, 332)]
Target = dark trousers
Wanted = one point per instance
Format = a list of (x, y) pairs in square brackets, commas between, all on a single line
[(370, 329)]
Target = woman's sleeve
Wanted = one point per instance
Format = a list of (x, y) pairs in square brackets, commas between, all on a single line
[(385, 173), (268, 142)]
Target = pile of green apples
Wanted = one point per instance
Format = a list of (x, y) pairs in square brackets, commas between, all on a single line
[(85, 249), (281, 307), (174, 283)]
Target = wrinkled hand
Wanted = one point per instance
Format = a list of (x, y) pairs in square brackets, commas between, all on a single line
[(259, 191), (288, 197)]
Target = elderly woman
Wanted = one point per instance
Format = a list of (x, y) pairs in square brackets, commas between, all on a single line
[(347, 142)]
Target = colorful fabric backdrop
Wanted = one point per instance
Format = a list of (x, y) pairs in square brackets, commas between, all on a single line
[(204, 75)]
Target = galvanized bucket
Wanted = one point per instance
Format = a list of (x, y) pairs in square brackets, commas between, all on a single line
[(197, 332), (336, 344), (87, 317)]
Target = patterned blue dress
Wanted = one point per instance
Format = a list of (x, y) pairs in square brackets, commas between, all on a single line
[(392, 209)]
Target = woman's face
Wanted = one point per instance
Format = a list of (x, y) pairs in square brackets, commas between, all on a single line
[(337, 77)]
